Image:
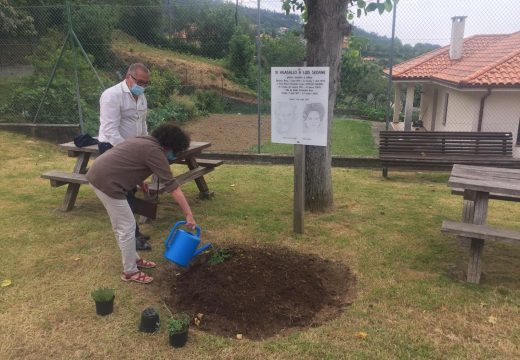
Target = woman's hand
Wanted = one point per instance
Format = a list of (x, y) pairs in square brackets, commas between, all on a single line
[(190, 222), (145, 187)]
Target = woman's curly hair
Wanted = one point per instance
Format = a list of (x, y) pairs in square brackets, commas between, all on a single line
[(170, 136)]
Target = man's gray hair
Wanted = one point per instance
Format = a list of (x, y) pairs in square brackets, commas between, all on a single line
[(133, 68)]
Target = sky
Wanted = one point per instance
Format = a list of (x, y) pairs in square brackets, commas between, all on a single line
[(430, 20)]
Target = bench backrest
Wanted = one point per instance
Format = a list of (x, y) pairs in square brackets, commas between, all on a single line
[(439, 143)]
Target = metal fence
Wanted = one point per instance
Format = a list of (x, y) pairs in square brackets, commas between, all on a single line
[(212, 57)]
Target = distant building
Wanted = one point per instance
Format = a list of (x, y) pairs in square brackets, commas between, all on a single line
[(473, 84)]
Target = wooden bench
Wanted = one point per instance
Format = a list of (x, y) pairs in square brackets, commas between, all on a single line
[(197, 168), (438, 150), (478, 234), (482, 232), (60, 178)]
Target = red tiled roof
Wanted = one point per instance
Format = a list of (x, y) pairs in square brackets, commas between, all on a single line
[(487, 60)]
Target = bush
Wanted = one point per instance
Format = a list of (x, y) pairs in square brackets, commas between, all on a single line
[(181, 110), (209, 102), (163, 84)]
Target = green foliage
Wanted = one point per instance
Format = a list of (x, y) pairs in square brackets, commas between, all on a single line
[(102, 294), (93, 26), (214, 30), (142, 19), (241, 53), (209, 102), (181, 110), (15, 22), (60, 105), (219, 256), (163, 85), (178, 323), (285, 50)]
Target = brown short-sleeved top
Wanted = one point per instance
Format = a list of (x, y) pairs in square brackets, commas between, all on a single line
[(128, 164)]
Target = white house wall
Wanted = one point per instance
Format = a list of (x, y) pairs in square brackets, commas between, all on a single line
[(462, 112), (502, 113)]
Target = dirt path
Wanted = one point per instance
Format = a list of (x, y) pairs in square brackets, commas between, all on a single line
[(230, 132)]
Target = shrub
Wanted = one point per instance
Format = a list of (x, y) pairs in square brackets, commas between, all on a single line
[(163, 84), (181, 109), (209, 102), (178, 323)]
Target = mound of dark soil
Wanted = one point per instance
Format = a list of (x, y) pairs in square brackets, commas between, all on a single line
[(258, 292)]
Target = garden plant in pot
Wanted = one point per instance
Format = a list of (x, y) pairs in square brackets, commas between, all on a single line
[(104, 298), (177, 327)]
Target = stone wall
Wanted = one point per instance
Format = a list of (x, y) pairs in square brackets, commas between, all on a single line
[(55, 133)]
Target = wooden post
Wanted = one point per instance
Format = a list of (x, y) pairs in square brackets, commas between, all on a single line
[(408, 107), (477, 245), (299, 188), (72, 189)]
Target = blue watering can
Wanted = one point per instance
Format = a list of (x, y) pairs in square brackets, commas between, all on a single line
[(181, 246)]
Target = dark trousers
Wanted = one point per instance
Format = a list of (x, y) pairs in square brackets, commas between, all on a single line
[(130, 196)]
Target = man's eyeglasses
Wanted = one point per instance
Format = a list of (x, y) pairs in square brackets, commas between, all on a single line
[(140, 82)]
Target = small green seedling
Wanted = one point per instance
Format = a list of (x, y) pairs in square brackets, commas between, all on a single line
[(102, 294), (219, 256), (178, 323)]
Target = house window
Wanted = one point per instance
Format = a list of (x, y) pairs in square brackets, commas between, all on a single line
[(445, 113)]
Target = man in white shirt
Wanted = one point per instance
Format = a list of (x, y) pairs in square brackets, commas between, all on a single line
[(122, 115)]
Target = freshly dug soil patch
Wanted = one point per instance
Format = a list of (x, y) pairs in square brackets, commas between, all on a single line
[(259, 292)]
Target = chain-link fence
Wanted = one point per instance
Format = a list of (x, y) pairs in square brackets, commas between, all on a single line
[(214, 57)]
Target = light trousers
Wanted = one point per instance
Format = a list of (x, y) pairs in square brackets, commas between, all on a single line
[(123, 225)]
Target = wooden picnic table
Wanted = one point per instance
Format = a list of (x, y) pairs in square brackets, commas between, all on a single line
[(197, 168), (478, 184)]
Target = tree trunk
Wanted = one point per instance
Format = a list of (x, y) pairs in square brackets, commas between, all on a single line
[(324, 31)]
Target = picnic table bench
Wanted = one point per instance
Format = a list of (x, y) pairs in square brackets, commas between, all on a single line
[(439, 150), (478, 184), (197, 168)]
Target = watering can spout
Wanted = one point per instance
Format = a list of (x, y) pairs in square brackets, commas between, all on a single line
[(201, 249)]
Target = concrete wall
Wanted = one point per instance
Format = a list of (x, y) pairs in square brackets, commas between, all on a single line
[(55, 133)]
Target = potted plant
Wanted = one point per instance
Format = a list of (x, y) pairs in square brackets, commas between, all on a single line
[(104, 298), (177, 327)]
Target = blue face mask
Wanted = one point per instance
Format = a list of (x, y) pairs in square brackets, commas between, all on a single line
[(170, 155), (137, 90)]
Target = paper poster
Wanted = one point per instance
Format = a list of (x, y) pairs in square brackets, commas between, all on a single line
[(299, 105)]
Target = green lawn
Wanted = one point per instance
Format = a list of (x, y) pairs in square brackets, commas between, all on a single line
[(349, 137), (411, 302)]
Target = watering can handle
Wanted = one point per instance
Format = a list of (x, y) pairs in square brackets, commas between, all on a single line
[(170, 235)]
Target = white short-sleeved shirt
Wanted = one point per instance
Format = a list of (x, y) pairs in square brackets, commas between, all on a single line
[(121, 116)]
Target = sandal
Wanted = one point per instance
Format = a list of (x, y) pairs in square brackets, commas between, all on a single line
[(145, 264), (139, 277)]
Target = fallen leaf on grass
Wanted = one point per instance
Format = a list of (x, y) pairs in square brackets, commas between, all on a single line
[(361, 334), (76, 258), (239, 336), (492, 319), (5, 283)]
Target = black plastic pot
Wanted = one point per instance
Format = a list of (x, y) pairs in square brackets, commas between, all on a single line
[(105, 307), (178, 340), (149, 321)]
